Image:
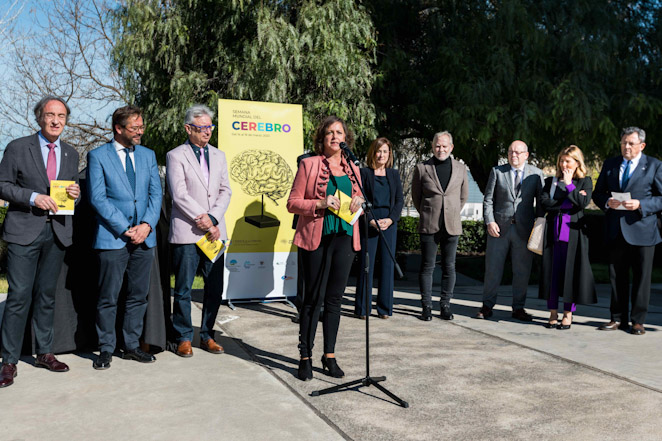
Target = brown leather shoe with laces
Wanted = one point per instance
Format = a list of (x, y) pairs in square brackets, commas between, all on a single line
[(211, 346), (184, 349), (7, 374), (51, 363)]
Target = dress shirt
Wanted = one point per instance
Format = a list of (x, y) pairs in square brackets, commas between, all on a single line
[(119, 148), (633, 166), (512, 175), (43, 146)]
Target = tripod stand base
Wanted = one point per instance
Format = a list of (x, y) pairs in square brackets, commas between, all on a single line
[(366, 381)]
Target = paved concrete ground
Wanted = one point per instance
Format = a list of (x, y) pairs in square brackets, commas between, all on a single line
[(465, 380), (206, 397)]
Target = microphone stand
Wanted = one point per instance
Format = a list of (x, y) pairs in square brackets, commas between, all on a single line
[(367, 297)]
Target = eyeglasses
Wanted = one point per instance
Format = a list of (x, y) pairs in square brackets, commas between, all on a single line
[(629, 144), (204, 128), (513, 152), (135, 129), (50, 116)]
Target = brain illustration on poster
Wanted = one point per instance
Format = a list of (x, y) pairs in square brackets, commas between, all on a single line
[(262, 173)]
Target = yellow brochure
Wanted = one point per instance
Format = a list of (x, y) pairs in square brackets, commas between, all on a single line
[(344, 213), (213, 250), (65, 203)]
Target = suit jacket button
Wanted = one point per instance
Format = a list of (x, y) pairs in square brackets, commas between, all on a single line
[(135, 201), (130, 217)]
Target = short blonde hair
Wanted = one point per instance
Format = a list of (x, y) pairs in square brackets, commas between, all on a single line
[(372, 152), (575, 153)]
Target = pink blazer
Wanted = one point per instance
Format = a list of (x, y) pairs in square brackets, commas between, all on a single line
[(309, 186), (192, 196)]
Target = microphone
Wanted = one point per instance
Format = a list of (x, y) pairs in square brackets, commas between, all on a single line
[(349, 155)]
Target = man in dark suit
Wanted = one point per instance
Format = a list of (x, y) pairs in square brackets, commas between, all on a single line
[(511, 192), (198, 182), (36, 239), (631, 227), (125, 191), (439, 190)]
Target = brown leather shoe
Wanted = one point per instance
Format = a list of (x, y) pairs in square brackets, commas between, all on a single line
[(637, 329), (611, 326), (51, 363), (184, 349), (7, 374), (383, 317), (484, 313), (211, 346)]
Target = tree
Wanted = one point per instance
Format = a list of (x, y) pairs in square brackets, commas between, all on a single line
[(69, 58), (173, 53), (549, 72)]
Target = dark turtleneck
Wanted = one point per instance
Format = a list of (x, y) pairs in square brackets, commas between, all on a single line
[(443, 169)]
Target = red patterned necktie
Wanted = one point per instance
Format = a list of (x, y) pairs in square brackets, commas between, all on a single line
[(51, 163)]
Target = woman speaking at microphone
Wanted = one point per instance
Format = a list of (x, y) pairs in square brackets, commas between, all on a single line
[(328, 243)]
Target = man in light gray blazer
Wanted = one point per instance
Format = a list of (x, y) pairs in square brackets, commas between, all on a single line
[(512, 196), (36, 240), (198, 182), (439, 190)]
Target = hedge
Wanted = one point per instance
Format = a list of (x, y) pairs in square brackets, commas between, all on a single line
[(472, 240)]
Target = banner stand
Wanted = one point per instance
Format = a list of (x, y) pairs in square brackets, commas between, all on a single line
[(287, 301)]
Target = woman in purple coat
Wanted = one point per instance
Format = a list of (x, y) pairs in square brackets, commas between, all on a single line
[(566, 270)]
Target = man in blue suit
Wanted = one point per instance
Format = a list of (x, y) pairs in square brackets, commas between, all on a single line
[(125, 191), (631, 226)]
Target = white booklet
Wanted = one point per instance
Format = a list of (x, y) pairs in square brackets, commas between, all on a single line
[(621, 197)]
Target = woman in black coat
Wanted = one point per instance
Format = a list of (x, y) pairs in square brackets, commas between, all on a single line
[(566, 271), (383, 189)]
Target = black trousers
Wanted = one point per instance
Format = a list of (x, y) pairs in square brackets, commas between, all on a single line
[(136, 263), (429, 245), (326, 271), (32, 274), (622, 258)]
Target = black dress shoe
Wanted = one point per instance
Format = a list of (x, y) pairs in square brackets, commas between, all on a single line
[(522, 315), (331, 365), (550, 325), (484, 313), (563, 327), (138, 355), (446, 313), (305, 372), (637, 329), (103, 361)]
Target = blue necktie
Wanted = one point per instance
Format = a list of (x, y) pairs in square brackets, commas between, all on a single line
[(131, 176), (130, 172), (626, 176)]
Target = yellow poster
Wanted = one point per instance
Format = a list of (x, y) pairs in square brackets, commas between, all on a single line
[(261, 142)]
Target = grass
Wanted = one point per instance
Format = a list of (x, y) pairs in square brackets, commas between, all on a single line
[(474, 267), (198, 283)]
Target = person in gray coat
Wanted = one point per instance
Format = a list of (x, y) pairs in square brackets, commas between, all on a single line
[(512, 198)]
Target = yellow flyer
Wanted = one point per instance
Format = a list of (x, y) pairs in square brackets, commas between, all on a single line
[(344, 212), (213, 250), (65, 203)]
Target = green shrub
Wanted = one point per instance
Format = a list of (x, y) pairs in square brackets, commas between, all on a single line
[(472, 240)]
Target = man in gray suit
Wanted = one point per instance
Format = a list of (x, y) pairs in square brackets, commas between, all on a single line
[(199, 184), (36, 240), (439, 190), (508, 208)]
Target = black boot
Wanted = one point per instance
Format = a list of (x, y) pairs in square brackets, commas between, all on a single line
[(446, 313), (331, 365), (426, 314), (305, 369)]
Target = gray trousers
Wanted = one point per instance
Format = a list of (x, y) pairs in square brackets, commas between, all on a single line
[(495, 258), (32, 273)]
